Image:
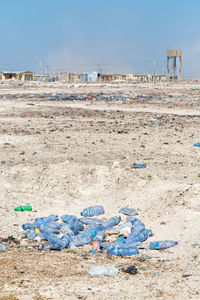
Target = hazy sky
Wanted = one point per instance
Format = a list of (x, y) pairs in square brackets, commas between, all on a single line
[(106, 35)]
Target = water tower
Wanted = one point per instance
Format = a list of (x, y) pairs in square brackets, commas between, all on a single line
[(176, 57)]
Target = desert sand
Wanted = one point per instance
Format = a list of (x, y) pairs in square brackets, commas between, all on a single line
[(62, 156)]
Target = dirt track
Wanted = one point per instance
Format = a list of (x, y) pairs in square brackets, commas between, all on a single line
[(63, 156)]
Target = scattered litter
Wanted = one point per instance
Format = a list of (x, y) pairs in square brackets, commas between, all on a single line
[(162, 244), (132, 270), (195, 245), (2, 247), (23, 208), (186, 275), (139, 166), (196, 145), (102, 270), (128, 211), (119, 240)]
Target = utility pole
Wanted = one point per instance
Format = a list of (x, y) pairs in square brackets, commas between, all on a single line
[(154, 67), (40, 67)]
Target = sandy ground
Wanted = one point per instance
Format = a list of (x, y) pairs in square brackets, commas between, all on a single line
[(62, 156)]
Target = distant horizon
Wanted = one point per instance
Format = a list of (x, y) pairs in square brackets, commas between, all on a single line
[(115, 36)]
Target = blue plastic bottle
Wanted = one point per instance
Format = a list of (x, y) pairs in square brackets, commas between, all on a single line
[(93, 211), (196, 145), (90, 221), (128, 211), (99, 236), (31, 234), (141, 236), (120, 240), (27, 226), (80, 240), (57, 243), (69, 219), (76, 227), (106, 245), (138, 226), (65, 229), (53, 226), (123, 251), (52, 218), (111, 222), (139, 166), (162, 244)]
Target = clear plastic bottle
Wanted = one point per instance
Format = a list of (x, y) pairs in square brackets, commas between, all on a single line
[(123, 251), (128, 211), (93, 211), (3, 247), (102, 270), (162, 244)]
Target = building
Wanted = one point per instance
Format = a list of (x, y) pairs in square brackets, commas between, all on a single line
[(89, 76), (9, 75), (25, 76)]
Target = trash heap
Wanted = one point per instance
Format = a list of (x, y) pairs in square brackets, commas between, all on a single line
[(75, 232)]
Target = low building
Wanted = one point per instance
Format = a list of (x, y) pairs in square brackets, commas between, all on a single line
[(25, 76), (9, 75), (105, 77), (89, 76)]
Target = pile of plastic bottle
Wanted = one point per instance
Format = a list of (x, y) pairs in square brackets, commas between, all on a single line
[(73, 231)]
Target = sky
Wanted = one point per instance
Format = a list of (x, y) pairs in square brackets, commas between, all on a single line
[(108, 36)]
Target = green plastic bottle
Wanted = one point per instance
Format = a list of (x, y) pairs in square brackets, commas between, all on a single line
[(23, 208)]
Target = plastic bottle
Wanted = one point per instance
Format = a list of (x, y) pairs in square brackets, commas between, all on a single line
[(52, 226), (52, 218), (3, 247), (99, 236), (86, 236), (120, 240), (139, 166), (128, 211), (141, 237), (92, 211), (69, 219), (31, 234), (24, 208), (130, 218), (111, 222), (57, 243), (196, 145), (106, 245), (123, 251), (76, 227), (138, 226), (102, 270), (90, 221), (162, 244), (80, 240), (27, 226), (65, 229)]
